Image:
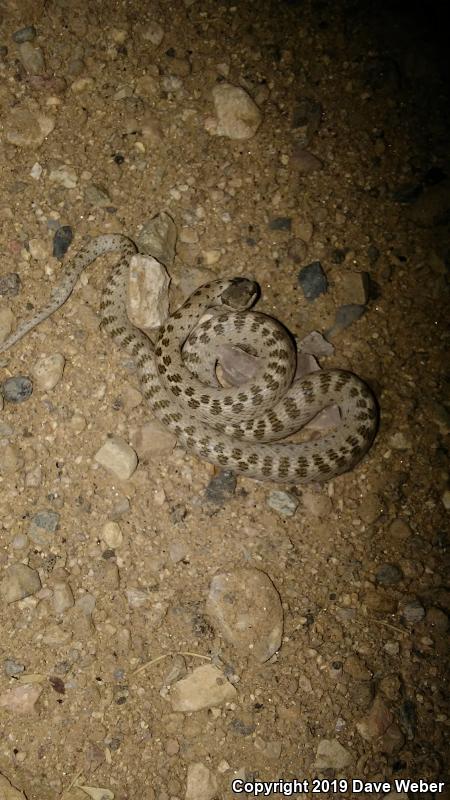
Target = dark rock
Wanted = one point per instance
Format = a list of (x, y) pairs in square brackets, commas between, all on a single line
[(24, 34), (280, 224), (388, 575), (17, 389), (313, 280), (9, 284), (221, 487), (62, 241), (338, 255), (345, 316), (373, 254)]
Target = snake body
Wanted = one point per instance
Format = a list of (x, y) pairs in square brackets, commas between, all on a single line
[(235, 428)]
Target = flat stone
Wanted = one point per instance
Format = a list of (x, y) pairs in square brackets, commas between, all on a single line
[(158, 238), (48, 371), (148, 293), (313, 280), (284, 503), (20, 581), (201, 783), (237, 116), (205, 687), (152, 440), (345, 316), (376, 722), (332, 755), (118, 458)]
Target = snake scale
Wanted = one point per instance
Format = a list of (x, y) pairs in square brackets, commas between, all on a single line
[(235, 428)]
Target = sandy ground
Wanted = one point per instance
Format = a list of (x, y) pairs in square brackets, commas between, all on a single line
[(115, 128)]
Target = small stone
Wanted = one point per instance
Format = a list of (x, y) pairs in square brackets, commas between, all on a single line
[(316, 344), (62, 597), (332, 755), (21, 699), (20, 581), (118, 458), (446, 499), (399, 530), (379, 600), (112, 535), (412, 612), (11, 460), (64, 175), (153, 32), (176, 670), (280, 224), (305, 162), (17, 389), (237, 116), (32, 58), (81, 85), (39, 248), (48, 371), (391, 686), (6, 323), (246, 608), (354, 667), (353, 288), (372, 508), (148, 293), (400, 442), (313, 280), (304, 229), (26, 34), (376, 722), (388, 575), (201, 783), (13, 668), (284, 503), (26, 129), (158, 238), (10, 284), (152, 440), (221, 487), (345, 316), (97, 196), (42, 528), (437, 620), (205, 687), (62, 240)]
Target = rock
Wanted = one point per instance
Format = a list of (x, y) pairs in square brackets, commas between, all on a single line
[(246, 608), (313, 280), (12, 668), (354, 667), (316, 344), (17, 389), (152, 440), (42, 528), (7, 320), (10, 284), (399, 530), (48, 371), (280, 224), (8, 791), (20, 581), (391, 686), (372, 508), (21, 699), (112, 535), (412, 612), (158, 239), (153, 32), (11, 460), (376, 722), (32, 58), (62, 240), (446, 499), (353, 289), (24, 34), (39, 248), (344, 317), (392, 740), (26, 129), (148, 293), (388, 575), (62, 597), (201, 783), (400, 442), (64, 175), (237, 116), (305, 162), (221, 487), (205, 687), (332, 755), (97, 196), (118, 458), (437, 620), (284, 503)]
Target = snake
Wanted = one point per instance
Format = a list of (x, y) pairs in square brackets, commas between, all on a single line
[(238, 428)]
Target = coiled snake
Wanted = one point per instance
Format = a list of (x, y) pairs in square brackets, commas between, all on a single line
[(236, 428)]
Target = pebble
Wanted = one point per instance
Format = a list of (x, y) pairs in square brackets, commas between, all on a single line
[(316, 344), (344, 317), (152, 440), (118, 458), (11, 459), (205, 687), (400, 442), (26, 34), (201, 783), (221, 487), (376, 722), (112, 535), (280, 224), (372, 508), (148, 293), (332, 755), (64, 175), (62, 241), (412, 612), (24, 128), (237, 116), (97, 196), (246, 607), (353, 288), (437, 619), (399, 530), (313, 280), (17, 389), (153, 32), (283, 503), (62, 597), (20, 581), (446, 499), (32, 58), (10, 284), (21, 699), (13, 668), (176, 670), (48, 371), (305, 162), (354, 667), (158, 238), (6, 323), (388, 575), (42, 528)]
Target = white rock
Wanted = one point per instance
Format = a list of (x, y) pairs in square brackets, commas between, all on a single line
[(112, 535), (205, 687), (201, 783), (64, 176), (39, 248), (7, 320), (152, 440), (48, 371), (62, 597), (238, 117), (245, 606), (332, 755), (154, 33), (20, 581), (148, 293), (118, 458), (20, 699)]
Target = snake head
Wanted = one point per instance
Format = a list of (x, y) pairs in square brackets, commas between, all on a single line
[(241, 293)]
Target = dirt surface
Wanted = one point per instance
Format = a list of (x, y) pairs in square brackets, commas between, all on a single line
[(348, 167)]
